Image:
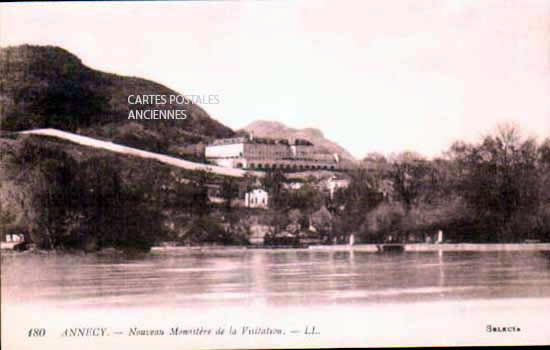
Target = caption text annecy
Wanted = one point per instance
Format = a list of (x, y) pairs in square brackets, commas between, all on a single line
[(245, 330)]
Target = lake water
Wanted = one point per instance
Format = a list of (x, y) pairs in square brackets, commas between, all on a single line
[(351, 298), (215, 277)]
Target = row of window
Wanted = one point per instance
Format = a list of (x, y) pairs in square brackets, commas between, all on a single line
[(257, 201), (287, 166)]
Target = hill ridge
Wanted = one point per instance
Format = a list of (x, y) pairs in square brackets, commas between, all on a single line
[(267, 128), (50, 87)]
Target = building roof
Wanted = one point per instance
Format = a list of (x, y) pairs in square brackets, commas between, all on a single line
[(260, 140)]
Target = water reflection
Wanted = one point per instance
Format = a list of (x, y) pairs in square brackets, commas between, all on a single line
[(290, 277)]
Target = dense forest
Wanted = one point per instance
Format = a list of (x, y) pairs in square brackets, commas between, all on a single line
[(496, 190), (492, 191), (76, 198)]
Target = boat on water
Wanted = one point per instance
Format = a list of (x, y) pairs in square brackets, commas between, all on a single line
[(281, 241), (16, 242), (17, 246), (390, 248)]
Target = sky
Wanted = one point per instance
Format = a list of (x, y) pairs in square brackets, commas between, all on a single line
[(373, 76)]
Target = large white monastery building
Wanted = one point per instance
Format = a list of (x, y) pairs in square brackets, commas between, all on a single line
[(248, 152)]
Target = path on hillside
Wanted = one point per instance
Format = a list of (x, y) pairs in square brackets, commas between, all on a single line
[(113, 147)]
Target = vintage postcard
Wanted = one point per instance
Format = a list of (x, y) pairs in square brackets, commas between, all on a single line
[(274, 174)]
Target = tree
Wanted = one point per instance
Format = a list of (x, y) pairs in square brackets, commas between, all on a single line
[(307, 198), (206, 229), (113, 214), (278, 220), (273, 182), (6, 219), (87, 206), (385, 220), (199, 194), (375, 161), (361, 196), (544, 194), (229, 191), (410, 174), (322, 220), (544, 153), (499, 180), (57, 196)]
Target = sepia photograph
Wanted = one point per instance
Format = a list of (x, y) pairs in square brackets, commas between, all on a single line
[(274, 174)]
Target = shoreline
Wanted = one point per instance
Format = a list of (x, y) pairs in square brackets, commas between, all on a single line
[(371, 248), (457, 247), (409, 247)]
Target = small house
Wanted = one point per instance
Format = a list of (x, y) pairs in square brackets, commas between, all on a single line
[(256, 198), (334, 183)]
